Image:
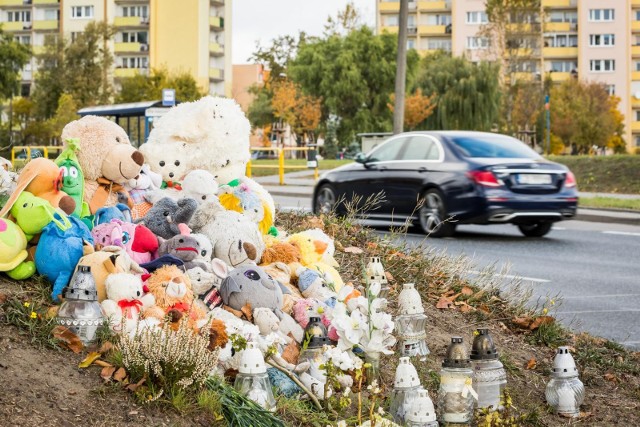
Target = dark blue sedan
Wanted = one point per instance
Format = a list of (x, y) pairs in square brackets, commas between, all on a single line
[(441, 179)]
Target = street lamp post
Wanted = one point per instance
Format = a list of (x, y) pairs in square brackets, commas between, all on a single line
[(401, 68)]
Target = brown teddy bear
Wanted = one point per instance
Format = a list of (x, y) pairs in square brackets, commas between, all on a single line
[(174, 296), (107, 158)]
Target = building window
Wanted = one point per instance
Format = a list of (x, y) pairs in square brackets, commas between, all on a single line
[(411, 43), (601, 40), (636, 14), (477, 18), (135, 37), (82, 12), (134, 62), (637, 139), (141, 11), (561, 40), (477, 42), (23, 39), (390, 20), (19, 16), (636, 66), (602, 65), (52, 14), (611, 89), (601, 15), (637, 114), (563, 66), (435, 19), (563, 16), (435, 44)]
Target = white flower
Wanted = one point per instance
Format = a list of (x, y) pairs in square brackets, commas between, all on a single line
[(380, 410), (374, 288), (344, 292), (350, 329), (360, 303), (382, 321), (339, 358), (378, 342)]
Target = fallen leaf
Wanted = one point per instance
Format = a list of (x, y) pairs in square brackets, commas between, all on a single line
[(91, 357), (372, 245), (444, 302), (584, 415), (107, 372), (338, 245), (467, 291), (3, 298), (464, 307), (291, 352), (51, 312), (484, 308), (353, 250), (531, 364), (542, 320), (102, 363), (522, 322), (390, 277), (611, 377), (67, 339), (106, 347), (134, 387), (314, 222), (120, 375)]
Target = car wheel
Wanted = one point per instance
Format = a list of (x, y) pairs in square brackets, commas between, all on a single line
[(537, 229), (325, 200), (432, 215)]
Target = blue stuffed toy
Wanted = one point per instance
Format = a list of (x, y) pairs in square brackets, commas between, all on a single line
[(119, 211), (59, 251)]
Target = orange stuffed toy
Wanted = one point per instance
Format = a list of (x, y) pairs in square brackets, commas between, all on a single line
[(43, 178)]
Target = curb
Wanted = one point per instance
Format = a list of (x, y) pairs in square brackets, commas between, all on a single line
[(594, 216)]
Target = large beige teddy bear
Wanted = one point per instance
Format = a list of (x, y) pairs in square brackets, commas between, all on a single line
[(107, 158), (210, 134)]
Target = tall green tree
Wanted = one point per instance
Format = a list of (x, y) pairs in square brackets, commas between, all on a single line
[(146, 88), (354, 76), (13, 57), (80, 68), (467, 94)]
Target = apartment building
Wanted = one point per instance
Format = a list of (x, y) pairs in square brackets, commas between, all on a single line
[(185, 35), (593, 40)]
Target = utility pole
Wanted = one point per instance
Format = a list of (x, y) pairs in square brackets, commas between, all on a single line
[(401, 68), (547, 107)]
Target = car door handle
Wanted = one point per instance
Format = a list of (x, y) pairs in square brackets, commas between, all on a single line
[(422, 169), (383, 168)]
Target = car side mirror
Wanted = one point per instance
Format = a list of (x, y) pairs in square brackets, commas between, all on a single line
[(360, 158)]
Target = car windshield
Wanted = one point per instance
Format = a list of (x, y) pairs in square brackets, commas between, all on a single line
[(493, 146)]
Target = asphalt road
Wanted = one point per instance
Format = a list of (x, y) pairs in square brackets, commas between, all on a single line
[(594, 267)]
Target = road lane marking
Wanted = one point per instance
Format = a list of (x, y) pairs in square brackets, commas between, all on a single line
[(630, 310), (558, 228), (621, 233), (509, 276), (601, 296)]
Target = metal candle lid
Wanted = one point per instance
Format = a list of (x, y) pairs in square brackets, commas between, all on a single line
[(82, 286), (406, 374), (409, 300), (563, 364), (483, 347), (251, 360), (457, 356), (316, 333)]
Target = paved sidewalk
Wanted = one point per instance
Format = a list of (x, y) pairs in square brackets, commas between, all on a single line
[(300, 184)]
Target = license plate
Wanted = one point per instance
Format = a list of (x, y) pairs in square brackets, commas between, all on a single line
[(533, 179)]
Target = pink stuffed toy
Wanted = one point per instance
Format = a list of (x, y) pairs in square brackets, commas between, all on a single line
[(140, 243)]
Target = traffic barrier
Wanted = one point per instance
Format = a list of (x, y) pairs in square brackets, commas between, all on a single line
[(43, 151), (312, 162)]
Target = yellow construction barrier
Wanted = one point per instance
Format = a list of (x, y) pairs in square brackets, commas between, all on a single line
[(281, 166), (44, 149)]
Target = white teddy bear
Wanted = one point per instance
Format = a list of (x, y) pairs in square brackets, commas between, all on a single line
[(206, 284), (125, 301)]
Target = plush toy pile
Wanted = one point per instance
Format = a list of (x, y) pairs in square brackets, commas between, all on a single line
[(174, 230)]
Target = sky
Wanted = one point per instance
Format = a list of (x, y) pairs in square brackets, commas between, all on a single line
[(264, 20)]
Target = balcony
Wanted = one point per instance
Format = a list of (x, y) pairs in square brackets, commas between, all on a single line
[(635, 127), (216, 23), (524, 28), (16, 26), (557, 76), (432, 29), (216, 49), (390, 30), (635, 50), (51, 24), (14, 3), (635, 26), (216, 74), (560, 27), (37, 49), (560, 52), (560, 4), (130, 21), (635, 3), (46, 2), (428, 6), (635, 76), (389, 6), (635, 102), (130, 47), (130, 72), (217, 2)]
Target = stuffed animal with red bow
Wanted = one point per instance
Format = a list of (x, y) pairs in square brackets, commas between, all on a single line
[(126, 300)]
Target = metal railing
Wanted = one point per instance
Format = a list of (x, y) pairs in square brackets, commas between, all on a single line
[(281, 166), (43, 151)]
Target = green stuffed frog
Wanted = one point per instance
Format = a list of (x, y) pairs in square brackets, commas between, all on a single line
[(33, 213), (72, 177), (13, 254)]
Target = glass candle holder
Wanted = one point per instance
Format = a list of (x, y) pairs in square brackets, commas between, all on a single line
[(455, 396), (252, 379), (565, 391), (405, 390), (489, 376)]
